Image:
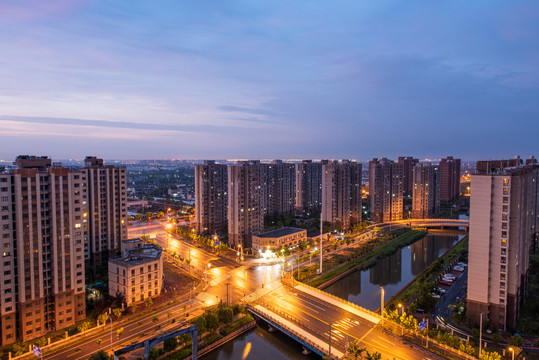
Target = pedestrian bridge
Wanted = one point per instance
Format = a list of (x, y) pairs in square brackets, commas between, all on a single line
[(432, 223)]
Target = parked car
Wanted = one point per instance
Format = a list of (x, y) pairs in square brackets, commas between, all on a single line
[(442, 291), (458, 268), (463, 264), (444, 282), (436, 296), (450, 276)]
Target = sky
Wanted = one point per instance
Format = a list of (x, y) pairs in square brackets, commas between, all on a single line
[(269, 79)]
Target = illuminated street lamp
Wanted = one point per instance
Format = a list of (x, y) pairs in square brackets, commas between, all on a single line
[(382, 293), (241, 252), (512, 353), (402, 312)]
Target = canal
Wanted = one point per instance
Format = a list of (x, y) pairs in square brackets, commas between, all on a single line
[(360, 287)]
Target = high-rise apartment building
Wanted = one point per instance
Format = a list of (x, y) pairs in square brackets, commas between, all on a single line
[(279, 189), (107, 204), (341, 193), (408, 163), (493, 166), (426, 195), (211, 188), (308, 187), (43, 224), (449, 178), (386, 189), (503, 229), (245, 203)]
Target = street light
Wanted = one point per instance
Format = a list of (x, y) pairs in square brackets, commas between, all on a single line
[(512, 353), (480, 333), (110, 333), (382, 293), (401, 310)]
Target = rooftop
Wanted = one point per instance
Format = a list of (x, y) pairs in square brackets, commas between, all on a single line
[(144, 254), (280, 232)]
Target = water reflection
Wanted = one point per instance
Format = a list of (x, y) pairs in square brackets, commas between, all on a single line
[(393, 272)]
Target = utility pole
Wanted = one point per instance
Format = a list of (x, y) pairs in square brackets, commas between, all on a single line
[(329, 340), (227, 293), (321, 235), (480, 333), (382, 293)]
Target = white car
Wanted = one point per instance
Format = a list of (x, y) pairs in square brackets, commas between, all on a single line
[(449, 276)]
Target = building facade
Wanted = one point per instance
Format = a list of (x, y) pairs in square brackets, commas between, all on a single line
[(107, 203), (450, 179), (138, 274), (341, 193), (386, 190), (279, 190), (211, 199), (408, 163), (308, 187), (245, 202), (279, 239), (44, 222), (503, 231), (426, 194)]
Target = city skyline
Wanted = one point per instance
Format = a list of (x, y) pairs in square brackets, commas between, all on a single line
[(247, 80)]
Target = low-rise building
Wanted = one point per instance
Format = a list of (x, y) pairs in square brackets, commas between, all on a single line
[(279, 238), (138, 274)]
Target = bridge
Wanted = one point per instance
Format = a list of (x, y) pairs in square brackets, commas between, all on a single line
[(428, 223), (325, 324)]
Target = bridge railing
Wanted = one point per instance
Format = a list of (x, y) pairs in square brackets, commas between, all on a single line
[(302, 338)]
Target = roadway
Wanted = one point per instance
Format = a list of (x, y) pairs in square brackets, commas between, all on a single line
[(316, 315)]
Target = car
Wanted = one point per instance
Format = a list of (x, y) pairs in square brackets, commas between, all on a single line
[(458, 268), (448, 279), (442, 291), (436, 296), (444, 282), (463, 264)]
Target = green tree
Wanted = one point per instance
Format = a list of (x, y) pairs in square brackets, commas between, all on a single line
[(201, 324), (374, 356), (170, 344), (83, 326), (100, 355), (119, 332), (41, 342), (148, 302), (154, 354), (212, 322), (155, 318), (117, 312), (103, 318), (160, 214), (139, 217), (149, 215), (355, 350), (485, 355), (516, 341), (133, 308), (466, 348), (19, 349), (99, 341)]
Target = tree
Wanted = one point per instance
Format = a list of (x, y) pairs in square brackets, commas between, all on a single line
[(117, 312), (83, 326), (103, 318), (139, 217), (100, 355), (374, 356), (99, 341), (496, 338), (485, 355), (41, 342), (466, 348), (170, 344), (201, 324), (133, 308), (119, 332), (355, 350), (148, 302), (19, 349), (225, 313), (212, 322), (516, 341), (160, 214), (154, 354), (149, 215), (155, 318)]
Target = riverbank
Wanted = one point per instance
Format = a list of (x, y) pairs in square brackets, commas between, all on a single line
[(367, 254), (414, 288)]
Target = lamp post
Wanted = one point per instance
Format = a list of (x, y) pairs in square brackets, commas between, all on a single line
[(241, 252), (512, 353), (110, 333), (321, 248), (330, 340), (401, 310), (382, 293), (480, 333)]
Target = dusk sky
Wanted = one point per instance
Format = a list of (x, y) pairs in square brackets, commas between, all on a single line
[(269, 79)]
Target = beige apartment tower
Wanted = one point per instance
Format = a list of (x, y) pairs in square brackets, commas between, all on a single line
[(386, 190), (211, 199), (44, 221), (107, 203), (245, 203), (426, 194), (341, 194), (503, 230)]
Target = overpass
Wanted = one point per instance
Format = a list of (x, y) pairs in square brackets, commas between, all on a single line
[(325, 324)]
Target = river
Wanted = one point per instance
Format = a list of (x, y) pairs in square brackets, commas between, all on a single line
[(360, 287)]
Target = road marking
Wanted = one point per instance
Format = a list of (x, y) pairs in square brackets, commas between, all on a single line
[(382, 345), (392, 343)]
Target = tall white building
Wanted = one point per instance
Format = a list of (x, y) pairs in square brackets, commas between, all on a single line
[(503, 232)]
